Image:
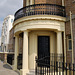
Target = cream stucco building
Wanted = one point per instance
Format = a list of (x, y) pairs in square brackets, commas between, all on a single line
[(6, 27), (0, 43), (42, 30)]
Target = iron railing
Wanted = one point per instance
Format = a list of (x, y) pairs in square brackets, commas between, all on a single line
[(10, 58), (49, 67), (41, 9), (45, 59), (19, 62)]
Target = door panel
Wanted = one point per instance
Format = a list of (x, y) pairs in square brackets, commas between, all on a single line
[(43, 46)]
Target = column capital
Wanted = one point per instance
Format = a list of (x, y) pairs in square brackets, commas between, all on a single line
[(58, 31), (26, 31), (16, 35)]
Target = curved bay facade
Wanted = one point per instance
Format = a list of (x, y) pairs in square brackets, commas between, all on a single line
[(39, 30)]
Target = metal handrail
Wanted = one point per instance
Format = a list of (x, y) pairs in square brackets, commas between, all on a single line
[(53, 55), (40, 9), (53, 67)]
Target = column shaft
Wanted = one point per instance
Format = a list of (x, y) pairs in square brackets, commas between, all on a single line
[(31, 2), (27, 2), (59, 47), (16, 52), (5, 58), (59, 43), (25, 53), (62, 2)]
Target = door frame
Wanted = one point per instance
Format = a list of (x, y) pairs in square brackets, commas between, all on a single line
[(49, 42)]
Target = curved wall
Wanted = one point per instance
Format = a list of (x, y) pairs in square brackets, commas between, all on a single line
[(42, 22)]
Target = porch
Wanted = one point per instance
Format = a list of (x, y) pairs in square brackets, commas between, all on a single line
[(37, 43)]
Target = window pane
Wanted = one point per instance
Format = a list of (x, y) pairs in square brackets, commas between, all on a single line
[(69, 37), (11, 20), (70, 44)]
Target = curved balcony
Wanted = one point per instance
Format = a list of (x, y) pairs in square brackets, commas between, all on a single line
[(40, 9)]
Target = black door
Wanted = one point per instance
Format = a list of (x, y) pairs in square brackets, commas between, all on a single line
[(43, 46)]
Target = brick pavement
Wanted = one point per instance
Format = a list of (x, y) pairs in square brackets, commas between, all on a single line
[(5, 69)]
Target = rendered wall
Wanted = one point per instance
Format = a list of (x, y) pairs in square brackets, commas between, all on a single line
[(33, 45)]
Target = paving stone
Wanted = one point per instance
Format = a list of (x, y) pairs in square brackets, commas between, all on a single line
[(5, 69)]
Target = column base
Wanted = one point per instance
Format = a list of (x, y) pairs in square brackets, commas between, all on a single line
[(23, 72), (60, 58), (14, 67), (5, 58), (5, 61)]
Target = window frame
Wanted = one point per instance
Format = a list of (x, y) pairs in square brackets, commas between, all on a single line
[(68, 43)]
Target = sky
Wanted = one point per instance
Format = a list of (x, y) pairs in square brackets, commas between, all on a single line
[(8, 7)]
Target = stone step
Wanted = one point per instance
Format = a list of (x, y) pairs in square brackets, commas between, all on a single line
[(31, 72)]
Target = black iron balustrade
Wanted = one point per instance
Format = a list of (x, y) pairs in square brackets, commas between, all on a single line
[(53, 57), (10, 58), (19, 62), (41, 9), (54, 68)]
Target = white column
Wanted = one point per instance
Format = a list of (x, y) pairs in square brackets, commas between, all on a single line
[(59, 42), (62, 2), (25, 53), (27, 2), (5, 57), (16, 52), (31, 2)]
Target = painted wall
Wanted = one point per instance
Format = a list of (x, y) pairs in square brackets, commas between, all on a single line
[(48, 22), (39, 25), (33, 44)]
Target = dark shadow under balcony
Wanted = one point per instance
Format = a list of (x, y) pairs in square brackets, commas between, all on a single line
[(41, 9)]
